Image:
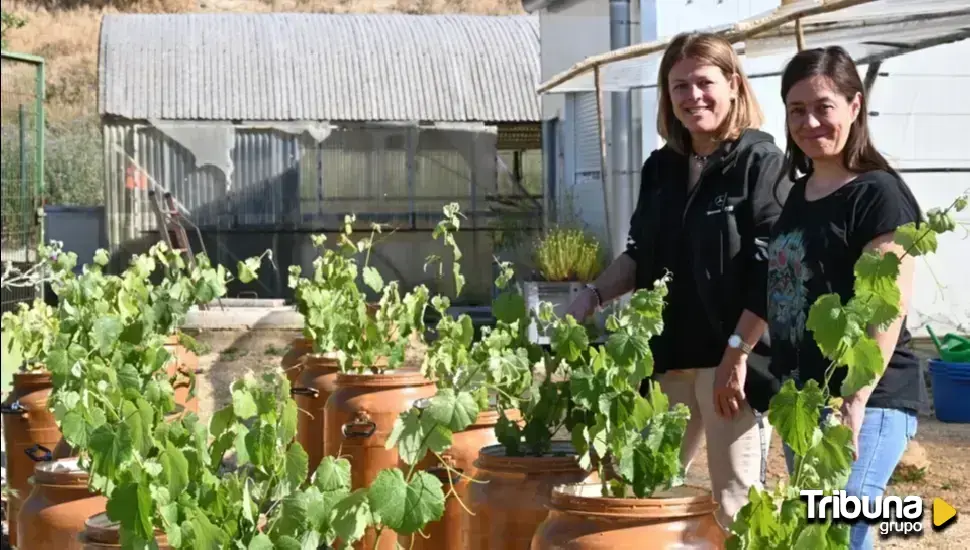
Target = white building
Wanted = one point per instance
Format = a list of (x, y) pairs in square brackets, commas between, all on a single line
[(919, 105)]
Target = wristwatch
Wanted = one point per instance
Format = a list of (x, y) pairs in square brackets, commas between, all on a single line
[(735, 342), (596, 291)]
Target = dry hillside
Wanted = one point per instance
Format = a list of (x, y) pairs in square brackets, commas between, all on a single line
[(65, 33)]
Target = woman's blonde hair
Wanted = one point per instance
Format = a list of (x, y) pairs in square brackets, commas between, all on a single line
[(709, 49)]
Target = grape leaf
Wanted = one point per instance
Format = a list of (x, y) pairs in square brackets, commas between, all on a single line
[(795, 414), (373, 279), (260, 542), (455, 412), (415, 433), (175, 469), (106, 331), (296, 464), (333, 474), (829, 463), (916, 241), (830, 325), (509, 307), (75, 430), (352, 517), (569, 339), (404, 506), (864, 362), (243, 404)]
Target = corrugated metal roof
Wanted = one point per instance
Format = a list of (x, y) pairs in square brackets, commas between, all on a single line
[(307, 66)]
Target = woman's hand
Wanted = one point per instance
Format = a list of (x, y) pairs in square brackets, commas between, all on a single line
[(729, 386), (853, 413), (583, 306)]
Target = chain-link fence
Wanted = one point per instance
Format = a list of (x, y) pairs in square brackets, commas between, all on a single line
[(21, 165)]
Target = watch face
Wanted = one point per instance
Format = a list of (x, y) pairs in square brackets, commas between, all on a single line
[(734, 341)]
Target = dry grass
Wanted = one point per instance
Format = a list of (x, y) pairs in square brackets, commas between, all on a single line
[(66, 33)]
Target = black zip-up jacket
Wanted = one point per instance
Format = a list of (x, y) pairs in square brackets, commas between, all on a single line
[(727, 223)]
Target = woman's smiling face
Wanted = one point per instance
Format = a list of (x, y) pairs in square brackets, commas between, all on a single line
[(819, 117), (701, 95)]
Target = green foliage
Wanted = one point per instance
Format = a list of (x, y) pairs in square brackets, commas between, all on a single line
[(335, 309), (241, 481), (28, 335), (634, 441), (9, 22), (445, 230), (824, 452), (568, 255)]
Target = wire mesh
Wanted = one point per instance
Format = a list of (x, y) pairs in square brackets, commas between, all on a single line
[(21, 169)]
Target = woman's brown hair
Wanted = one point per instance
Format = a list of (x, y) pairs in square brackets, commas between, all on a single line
[(835, 64), (709, 49)]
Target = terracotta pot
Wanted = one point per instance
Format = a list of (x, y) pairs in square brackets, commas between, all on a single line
[(60, 502), (466, 444), (513, 496), (30, 434), (359, 417), (101, 533), (580, 519), (185, 363), (446, 533), (292, 361), (313, 388)]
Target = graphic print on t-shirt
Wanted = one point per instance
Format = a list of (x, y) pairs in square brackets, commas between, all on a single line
[(787, 291)]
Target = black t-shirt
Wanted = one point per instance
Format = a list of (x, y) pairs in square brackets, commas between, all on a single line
[(813, 251)]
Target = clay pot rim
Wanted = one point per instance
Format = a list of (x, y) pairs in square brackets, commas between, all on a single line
[(103, 532), (489, 418), (323, 361), (562, 458), (64, 479), (656, 507), (391, 379), (32, 378)]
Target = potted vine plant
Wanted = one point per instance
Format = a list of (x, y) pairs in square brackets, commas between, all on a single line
[(514, 478), (30, 431), (566, 260), (634, 443), (823, 449), (108, 362)]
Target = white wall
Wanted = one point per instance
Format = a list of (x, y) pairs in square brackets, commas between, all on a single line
[(924, 113), (568, 34)]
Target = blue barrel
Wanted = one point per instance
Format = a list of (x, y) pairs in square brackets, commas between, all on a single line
[(951, 391)]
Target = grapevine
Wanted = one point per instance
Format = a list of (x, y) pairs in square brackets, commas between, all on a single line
[(824, 450)]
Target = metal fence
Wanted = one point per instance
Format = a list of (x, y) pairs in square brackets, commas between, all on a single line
[(21, 165), (284, 186)]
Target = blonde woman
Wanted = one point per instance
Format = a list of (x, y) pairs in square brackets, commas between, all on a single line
[(708, 200)]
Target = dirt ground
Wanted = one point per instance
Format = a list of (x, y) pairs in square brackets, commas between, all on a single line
[(947, 446)]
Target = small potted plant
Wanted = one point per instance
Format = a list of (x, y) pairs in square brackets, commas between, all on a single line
[(566, 260), (634, 443), (515, 477)]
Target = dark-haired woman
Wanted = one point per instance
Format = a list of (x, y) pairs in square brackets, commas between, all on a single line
[(846, 200)]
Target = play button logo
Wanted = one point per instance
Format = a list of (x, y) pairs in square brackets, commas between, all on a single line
[(943, 513)]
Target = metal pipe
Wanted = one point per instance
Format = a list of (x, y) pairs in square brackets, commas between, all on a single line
[(550, 191), (621, 184)]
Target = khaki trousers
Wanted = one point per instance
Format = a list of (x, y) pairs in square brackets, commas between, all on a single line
[(737, 449)]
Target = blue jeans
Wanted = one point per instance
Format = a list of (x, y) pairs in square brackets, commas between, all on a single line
[(882, 442)]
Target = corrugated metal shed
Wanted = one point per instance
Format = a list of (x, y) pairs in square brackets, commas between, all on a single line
[(308, 66)]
